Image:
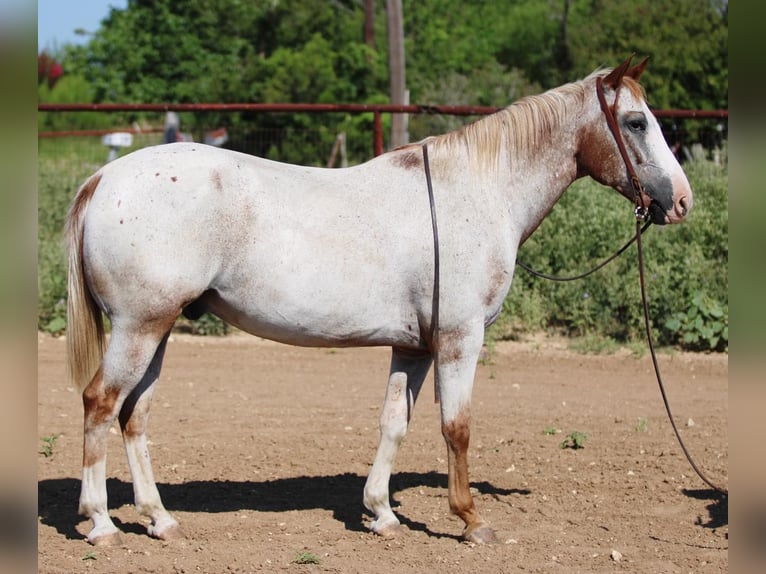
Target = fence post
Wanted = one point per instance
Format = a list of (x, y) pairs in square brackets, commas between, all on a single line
[(377, 134)]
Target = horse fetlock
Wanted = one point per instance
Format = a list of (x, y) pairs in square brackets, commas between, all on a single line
[(95, 510)]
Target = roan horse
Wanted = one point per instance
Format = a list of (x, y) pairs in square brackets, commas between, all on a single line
[(335, 257)]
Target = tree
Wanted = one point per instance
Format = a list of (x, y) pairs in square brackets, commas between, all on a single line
[(687, 41), (458, 51)]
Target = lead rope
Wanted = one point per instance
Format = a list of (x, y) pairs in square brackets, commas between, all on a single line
[(434, 329), (609, 259), (641, 212), (705, 479)]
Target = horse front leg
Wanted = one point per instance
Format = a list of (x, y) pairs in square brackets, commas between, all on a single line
[(455, 373), (133, 422), (408, 371)]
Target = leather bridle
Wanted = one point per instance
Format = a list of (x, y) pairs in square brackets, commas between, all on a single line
[(640, 196)]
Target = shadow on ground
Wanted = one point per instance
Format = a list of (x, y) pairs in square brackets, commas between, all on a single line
[(341, 494)]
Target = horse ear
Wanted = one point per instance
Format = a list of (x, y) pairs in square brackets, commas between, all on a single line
[(636, 71), (614, 77)]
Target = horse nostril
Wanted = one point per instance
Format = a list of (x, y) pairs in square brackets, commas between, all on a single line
[(682, 204)]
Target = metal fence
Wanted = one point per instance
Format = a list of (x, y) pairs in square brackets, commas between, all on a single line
[(689, 132)]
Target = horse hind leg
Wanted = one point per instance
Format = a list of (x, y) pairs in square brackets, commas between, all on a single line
[(405, 380), (100, 408), (124, 366), (133, 422)]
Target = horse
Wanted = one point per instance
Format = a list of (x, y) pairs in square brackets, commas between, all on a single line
[(344, 257)]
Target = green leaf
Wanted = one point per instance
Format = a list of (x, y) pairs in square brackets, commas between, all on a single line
[(715, 311), (56, 325), (673, 324)]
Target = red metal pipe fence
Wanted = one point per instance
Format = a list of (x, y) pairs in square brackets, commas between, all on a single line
[(375, 109)]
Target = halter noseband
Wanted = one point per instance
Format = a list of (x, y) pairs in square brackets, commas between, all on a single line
[(639, 193)]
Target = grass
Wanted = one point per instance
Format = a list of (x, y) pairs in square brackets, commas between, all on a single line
[(574, 440), (306, 557), (49, 442)]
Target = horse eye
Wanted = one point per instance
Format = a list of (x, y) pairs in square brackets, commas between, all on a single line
[(637, 124)]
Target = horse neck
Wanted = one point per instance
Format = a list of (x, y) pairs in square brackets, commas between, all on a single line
[(538, 180), (527, 172)]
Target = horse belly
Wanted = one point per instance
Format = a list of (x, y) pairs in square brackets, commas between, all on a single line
[(318, 319)]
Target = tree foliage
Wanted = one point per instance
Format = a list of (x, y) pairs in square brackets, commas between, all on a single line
[(457, 51), (687, 41)]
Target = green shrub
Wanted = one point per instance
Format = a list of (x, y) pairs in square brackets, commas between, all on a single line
[(61, 170), (686, 269)]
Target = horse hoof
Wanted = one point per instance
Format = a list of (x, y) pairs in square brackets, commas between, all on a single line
[(387, 529), (172, 532), (112, 539), (480, 534)]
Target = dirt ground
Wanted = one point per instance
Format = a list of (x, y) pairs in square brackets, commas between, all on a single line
[(261, 451)]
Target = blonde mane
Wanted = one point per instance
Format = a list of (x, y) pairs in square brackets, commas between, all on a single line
[(523, 127)]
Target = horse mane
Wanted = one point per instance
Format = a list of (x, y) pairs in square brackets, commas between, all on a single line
[(525, 126)]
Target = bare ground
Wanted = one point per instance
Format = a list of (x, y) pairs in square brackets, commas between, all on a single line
[(261, 452)]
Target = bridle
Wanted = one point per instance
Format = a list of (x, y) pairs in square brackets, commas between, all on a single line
[(641, 213), (610, 113)]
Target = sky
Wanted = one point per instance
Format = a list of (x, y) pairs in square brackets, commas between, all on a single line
[(58, 19)]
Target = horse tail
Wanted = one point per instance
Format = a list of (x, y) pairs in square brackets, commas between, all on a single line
[(85, 325)]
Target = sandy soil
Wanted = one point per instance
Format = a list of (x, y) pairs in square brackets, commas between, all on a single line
[(261, 452)]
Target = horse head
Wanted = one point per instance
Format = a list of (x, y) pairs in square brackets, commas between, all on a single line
[(625, 149)]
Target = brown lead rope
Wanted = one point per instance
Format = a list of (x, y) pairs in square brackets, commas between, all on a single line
[(641, 214), (637, 238), (609, 259), (705, 479)]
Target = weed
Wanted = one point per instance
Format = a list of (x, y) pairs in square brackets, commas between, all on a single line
[(574, 440), (89, 556), (48, 443), (550, 430), (306, 557), (642, 425)]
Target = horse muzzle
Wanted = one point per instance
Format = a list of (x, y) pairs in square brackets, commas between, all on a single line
[(668, 203), (676, 214)]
